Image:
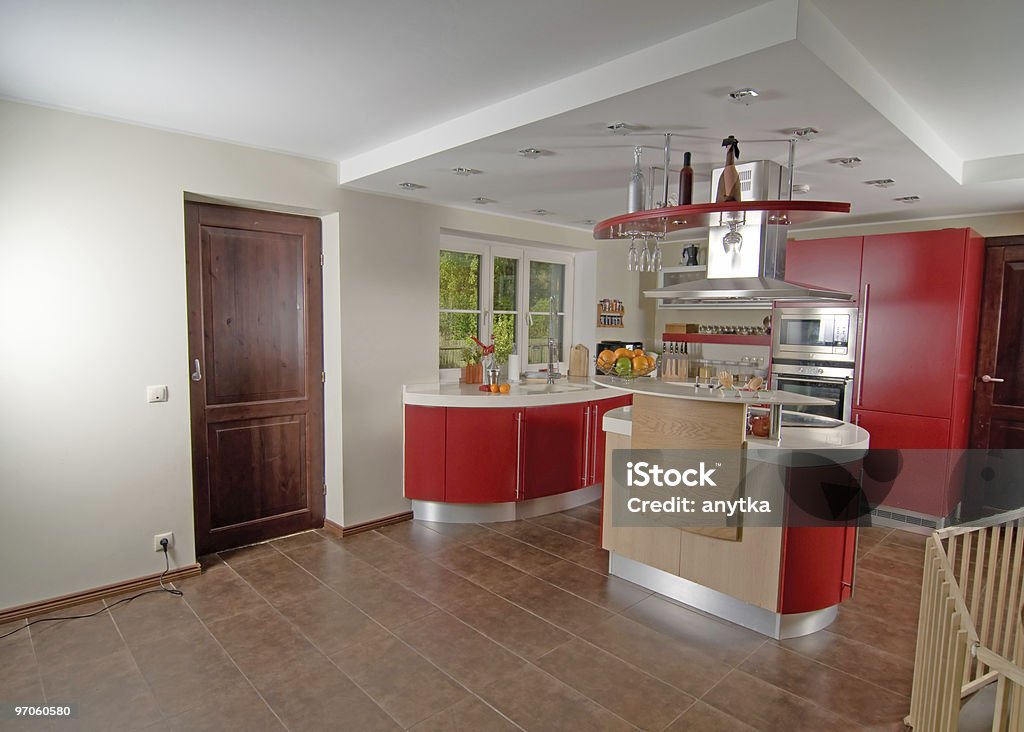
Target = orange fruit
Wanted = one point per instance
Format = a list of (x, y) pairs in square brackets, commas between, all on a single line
[(504, 388), (638, 352), (606, 356), (639, 363), (494, 388), (620, 352), (650, 361)]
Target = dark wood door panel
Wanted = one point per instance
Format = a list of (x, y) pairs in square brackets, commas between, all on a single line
[(253, 315), (259, 467)]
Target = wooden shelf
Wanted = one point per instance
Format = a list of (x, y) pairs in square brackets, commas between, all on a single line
[(678, 218), (610, 318), (722, 338)]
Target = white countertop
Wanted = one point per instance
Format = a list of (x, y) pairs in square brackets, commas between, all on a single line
[(847, 436), (564, 391), (680, 390)]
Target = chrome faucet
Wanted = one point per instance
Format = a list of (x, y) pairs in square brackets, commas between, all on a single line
[(552, 369)]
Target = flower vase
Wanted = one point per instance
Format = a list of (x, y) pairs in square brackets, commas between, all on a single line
[(472, 373)]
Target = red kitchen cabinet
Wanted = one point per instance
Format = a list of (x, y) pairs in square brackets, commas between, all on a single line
[(424, 453), (831, 263), (554, 445), (483, 454), (919, 310)]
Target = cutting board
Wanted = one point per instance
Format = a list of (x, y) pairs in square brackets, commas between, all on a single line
[(579, 361)]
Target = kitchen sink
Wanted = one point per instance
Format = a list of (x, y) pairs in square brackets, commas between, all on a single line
[(549, 388)]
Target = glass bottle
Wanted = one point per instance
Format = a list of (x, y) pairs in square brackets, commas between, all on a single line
[(636, 185), (686, 182)]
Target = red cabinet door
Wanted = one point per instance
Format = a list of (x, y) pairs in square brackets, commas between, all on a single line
[(482, 455), (831, 263), (424, 453), (554, 441), (923, 483), (910, 310), (599, 409)]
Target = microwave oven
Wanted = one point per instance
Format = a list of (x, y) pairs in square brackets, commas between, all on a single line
[(814, 333)]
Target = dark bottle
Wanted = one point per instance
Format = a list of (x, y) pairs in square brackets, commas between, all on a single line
[(686, 182)]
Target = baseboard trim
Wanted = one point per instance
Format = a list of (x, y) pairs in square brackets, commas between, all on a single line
[(97, 593), (338, 530)]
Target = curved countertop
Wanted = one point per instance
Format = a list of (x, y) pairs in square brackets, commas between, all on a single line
[(565, 391), (681, 390), (847, 436)]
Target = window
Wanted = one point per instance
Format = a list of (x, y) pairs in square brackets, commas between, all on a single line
[(505, 292)]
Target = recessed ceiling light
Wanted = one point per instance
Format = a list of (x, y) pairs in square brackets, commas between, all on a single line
[(880, 182), (407, 186), (847, 162), (744, 96), (533, 152), (466, 171), (540, 212), (801, 188), (620, 128), (587, 222), (804, 133), (483, 200), (908, 199)]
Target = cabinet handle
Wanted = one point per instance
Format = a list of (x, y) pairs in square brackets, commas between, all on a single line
[(856, 419), (593, 455), (586, 446), (197, 372), (992, 379), (519, 452), (863, 342)]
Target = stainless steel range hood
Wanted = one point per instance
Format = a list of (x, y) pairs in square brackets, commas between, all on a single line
[(749, 273)]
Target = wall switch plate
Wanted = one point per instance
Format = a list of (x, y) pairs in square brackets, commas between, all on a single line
[(156, 394), (156, 541)]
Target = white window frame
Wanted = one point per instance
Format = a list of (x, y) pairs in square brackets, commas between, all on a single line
[(524, 255)]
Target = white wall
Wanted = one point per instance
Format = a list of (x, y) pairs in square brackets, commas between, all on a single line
[(92, 309)]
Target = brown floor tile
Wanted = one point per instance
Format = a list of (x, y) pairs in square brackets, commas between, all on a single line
[(436, 584), (515, 553), (236, 707), (376, 549), (277, 578), (868, 537), (61, 642), (638, 698), (584, 531), (330, 622), (296, 540), (715, 638), (469, 715), (703, 718), (460, 532), (657, 654), (466, 655), (332, 565), (550, 541), (593, 558), (900, 640), (417, 537), (402, 682), (236, 557), (608, 592), (554, 605), (769, 708), (19, 672), (320, 697), (853, 698), (521, 632), (220, 594), (185, 670), (152, 616), (858, 659), (108, 691), (908, 539), (479, 568), (536, 701), (385, 600), (872, 562), (886, 597), (897, 552), (589, 512)]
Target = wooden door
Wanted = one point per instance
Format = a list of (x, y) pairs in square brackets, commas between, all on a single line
[(255, 325), (998, 417)]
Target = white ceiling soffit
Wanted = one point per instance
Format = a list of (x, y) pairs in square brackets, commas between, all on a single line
[(747, 32), (912, 112)]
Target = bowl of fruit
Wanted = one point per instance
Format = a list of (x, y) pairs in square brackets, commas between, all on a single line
[(626, 363)]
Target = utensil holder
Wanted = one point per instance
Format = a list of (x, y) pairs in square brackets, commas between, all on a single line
[(472, 373)]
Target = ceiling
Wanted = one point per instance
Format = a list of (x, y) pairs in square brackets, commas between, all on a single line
[(405, 90)]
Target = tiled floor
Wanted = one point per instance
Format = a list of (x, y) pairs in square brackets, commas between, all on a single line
[(464, 627)]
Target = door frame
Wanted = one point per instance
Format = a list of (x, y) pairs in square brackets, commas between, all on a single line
[(196, 342)]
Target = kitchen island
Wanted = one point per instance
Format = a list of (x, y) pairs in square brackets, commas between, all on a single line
[(782, 580), (474, 457)]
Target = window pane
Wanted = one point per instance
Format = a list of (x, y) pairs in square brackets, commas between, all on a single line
[(456, 328), (505, 275), (547, 280), (504, 336), (460, 281), (537, 349)]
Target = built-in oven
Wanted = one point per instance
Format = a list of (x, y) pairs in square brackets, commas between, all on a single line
[(826, 380), (814, 333)]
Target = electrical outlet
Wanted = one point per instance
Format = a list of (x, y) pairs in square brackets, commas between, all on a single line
[(156, 541)]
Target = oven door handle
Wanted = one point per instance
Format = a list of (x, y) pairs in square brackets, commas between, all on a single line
[(830, 379)]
